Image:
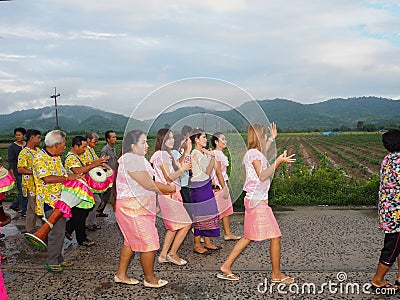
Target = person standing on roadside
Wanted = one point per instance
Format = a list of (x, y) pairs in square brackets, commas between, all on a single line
[(25, 161), (108, 150), (388, 208), (19, 204)]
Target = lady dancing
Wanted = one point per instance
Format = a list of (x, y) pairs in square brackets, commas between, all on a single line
[(135, 209), (259, 221), (176, 220), (220, 186), (204, 207)]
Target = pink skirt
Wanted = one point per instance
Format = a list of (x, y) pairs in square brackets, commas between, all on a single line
[(137, 221), (259, 221), (224, 205), (173, 212)]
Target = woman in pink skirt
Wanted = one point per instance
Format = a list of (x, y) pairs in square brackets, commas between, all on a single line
[(135, 209), (259, 221), (220, 186), (176, 220)]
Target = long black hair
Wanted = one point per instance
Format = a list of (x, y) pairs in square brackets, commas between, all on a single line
[(132, 137), (162, 135)]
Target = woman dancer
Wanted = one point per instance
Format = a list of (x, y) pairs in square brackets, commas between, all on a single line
[(181, 153), (259, 221), (204, 207), (135, 209), (176, 220), (220, 186)]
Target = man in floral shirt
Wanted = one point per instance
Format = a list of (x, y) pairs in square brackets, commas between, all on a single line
[(25, 160), (389, 212), (49, 173)]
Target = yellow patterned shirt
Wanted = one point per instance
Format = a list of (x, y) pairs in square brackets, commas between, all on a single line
[(88, 156), (73, 161), (25, 160), (46, 165)]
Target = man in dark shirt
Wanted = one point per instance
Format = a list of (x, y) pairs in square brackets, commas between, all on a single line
[(108, 150), (20, 203)]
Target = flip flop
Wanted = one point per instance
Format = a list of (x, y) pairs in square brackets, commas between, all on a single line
[(385, 289), (66, 264), (283, 280), (53, 268), (230, 277), (213, 249), (204, 253)]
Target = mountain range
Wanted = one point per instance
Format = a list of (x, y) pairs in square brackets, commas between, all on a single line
[(289, 116)]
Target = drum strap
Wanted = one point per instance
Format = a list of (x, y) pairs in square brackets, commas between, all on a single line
[(46, 221), (27, 149), (91, 153), (70, 154)]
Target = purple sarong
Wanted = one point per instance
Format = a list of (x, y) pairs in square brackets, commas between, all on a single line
[(204, 208)]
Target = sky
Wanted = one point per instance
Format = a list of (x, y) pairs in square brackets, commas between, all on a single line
[(112, 54)]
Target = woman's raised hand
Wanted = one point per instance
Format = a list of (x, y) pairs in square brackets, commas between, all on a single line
[(285, 158), (273, 131)]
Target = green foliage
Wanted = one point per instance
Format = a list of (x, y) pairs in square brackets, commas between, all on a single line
[(323, 186)]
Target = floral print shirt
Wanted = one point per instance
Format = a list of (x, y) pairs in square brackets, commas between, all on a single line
[(389, 194), (72, 161), (46, 165), (25, 160), (88, 156)]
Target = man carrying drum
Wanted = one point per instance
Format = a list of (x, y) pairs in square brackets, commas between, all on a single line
[(74, 165), (49, 173), (88, 157)]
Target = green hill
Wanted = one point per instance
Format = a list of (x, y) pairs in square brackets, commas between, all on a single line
[(289, 116)]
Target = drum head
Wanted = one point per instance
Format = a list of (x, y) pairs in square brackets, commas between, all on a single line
[(3, 172), (98, 174), (70, 199), (35, 241), (108, 172)]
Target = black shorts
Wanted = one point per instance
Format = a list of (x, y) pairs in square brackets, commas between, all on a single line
[(391, 249)]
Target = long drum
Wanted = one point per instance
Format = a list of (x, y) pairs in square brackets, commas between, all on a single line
[(100, 179), (72, 193)]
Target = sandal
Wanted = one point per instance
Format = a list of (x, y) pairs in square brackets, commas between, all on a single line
[(286, 280), (104, 215), (66, 264), (230, 277), (53, 268), (213, 249), (68, 236), (387, 289), (87, 243)]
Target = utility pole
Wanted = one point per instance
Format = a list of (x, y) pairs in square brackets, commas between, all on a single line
[(55, 103)]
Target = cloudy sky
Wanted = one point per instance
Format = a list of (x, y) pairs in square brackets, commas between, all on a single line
[(111, 54)]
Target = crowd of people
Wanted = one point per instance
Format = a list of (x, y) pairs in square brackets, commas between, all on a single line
[(184, 180), (189, 183)]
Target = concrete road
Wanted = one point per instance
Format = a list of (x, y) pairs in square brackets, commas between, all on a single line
[(331, 251)]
